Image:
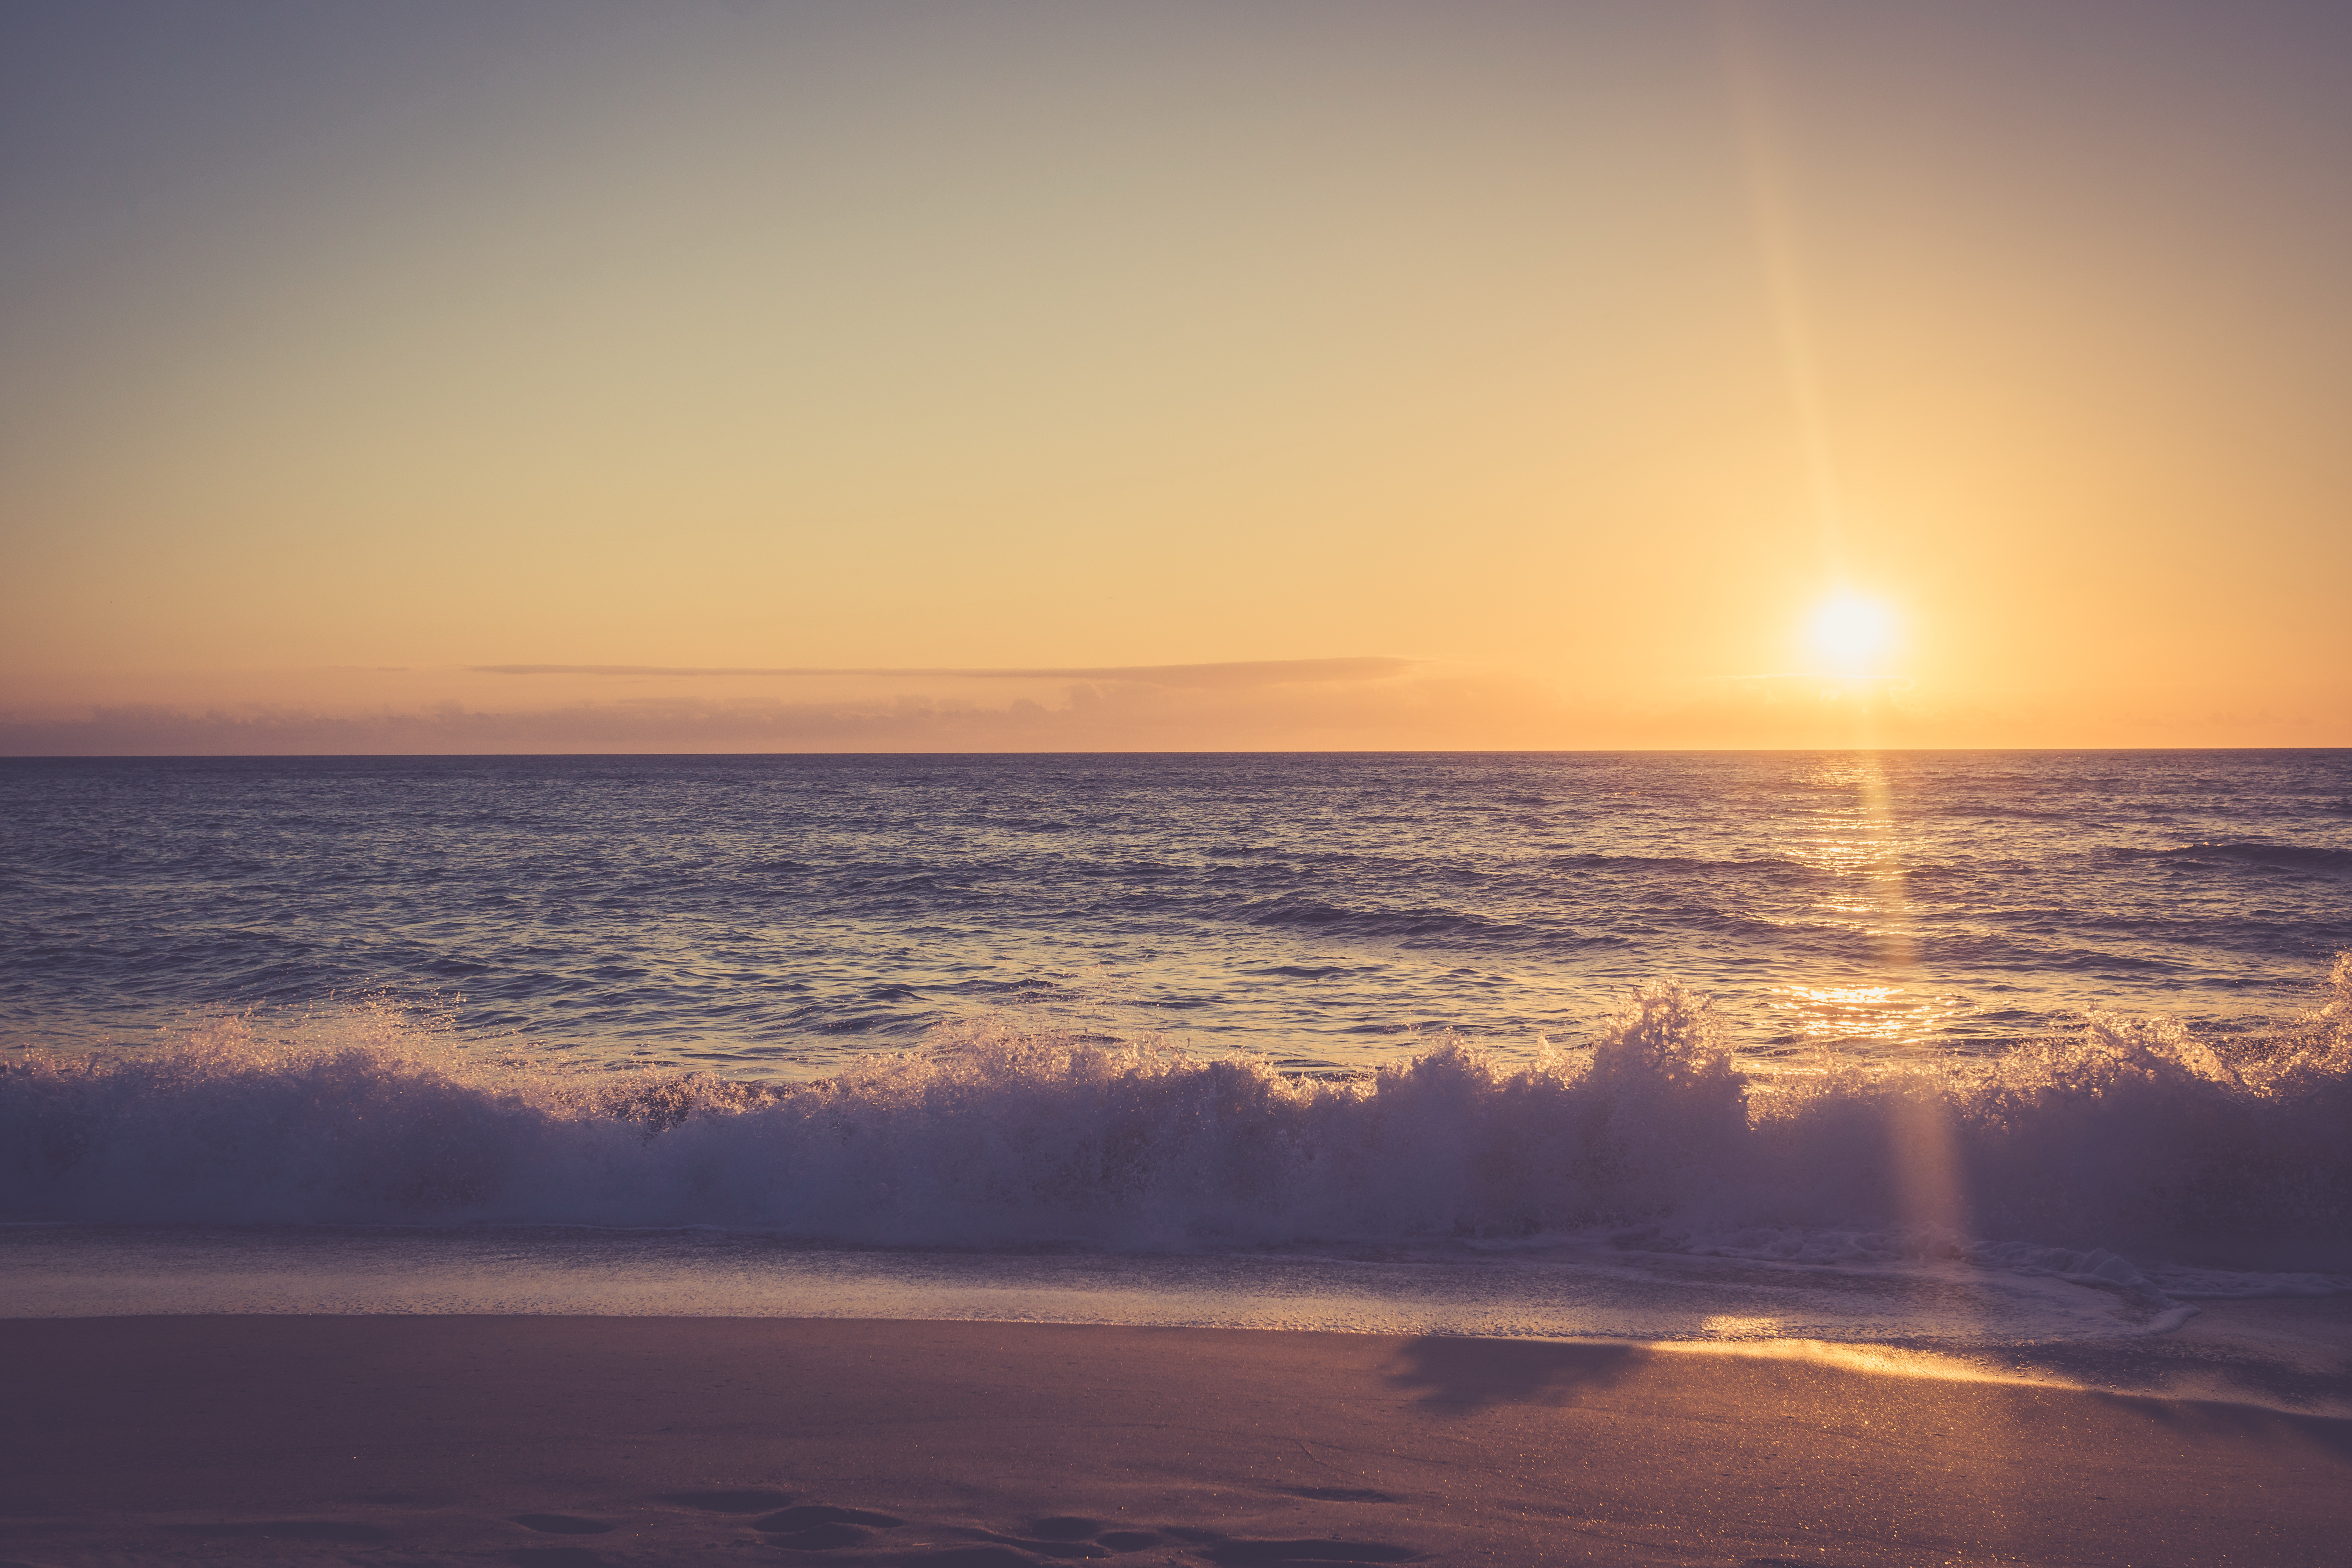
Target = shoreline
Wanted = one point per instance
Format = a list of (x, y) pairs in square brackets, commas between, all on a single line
[(576, 1440)]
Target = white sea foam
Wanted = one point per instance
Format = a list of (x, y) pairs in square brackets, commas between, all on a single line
[(2092, 1159)]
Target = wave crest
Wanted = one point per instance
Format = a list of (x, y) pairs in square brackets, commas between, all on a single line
[(2133, 1136)]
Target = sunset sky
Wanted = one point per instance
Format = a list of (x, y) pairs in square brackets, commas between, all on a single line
[(1068, 376)]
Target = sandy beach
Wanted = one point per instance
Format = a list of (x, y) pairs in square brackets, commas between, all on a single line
[(586, 1440)]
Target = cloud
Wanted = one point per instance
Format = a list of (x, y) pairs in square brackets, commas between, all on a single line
[(1303, 704), (1249, 672), (1306, 705)]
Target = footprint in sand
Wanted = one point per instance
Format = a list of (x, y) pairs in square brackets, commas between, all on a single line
[(1009, 1551), (822, 1527), (819, 1527), (810, 1514), (1074, 1535), (554, 1557), (351, 1532), (561, 1524), (1231, 1553), (1045, 1548), (1251, 1553), (1128, 1540), (747, 1500), (821, 1538)]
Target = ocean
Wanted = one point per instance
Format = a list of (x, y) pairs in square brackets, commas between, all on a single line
[(1951, 1051)]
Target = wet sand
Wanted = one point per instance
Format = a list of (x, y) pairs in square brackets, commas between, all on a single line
[(657, 1440)]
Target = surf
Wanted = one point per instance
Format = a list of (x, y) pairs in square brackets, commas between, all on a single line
[(2129, 1137)]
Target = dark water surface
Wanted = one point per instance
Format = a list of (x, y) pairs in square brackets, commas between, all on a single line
[(775, 916)]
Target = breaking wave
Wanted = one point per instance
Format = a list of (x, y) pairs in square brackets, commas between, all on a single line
[(2132, 1137)]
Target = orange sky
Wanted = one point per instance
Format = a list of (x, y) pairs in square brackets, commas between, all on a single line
[(1047, 376)]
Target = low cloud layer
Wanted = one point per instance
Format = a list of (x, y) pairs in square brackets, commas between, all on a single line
[(1247, 672), (1341, 704)]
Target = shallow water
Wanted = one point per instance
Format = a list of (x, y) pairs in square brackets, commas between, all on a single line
[(1568, 1289), (2290, 1350)]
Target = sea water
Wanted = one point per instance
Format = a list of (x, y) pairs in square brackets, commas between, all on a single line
[(1952, 1051)]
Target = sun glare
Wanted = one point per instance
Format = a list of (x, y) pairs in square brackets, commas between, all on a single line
[(1852, 635)]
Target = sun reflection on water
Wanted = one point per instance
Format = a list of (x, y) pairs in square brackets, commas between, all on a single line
[(1851, 834), (1850, 1015)]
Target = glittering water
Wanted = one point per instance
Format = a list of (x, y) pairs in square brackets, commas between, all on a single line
[(775, 917)]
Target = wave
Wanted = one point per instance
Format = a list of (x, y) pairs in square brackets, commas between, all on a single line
[(2287, 856), (1420, 927), (2131, 1138)]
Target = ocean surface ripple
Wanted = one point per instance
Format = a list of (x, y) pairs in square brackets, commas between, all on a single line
[(781, 916)]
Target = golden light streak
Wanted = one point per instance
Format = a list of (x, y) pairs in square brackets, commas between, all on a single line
[(1771, 216)]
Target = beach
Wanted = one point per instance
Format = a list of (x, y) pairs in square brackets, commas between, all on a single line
[(577, 1440)]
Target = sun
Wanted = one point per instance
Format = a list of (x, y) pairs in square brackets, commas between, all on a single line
[(1851, 633)]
